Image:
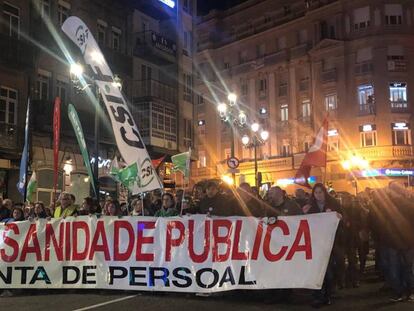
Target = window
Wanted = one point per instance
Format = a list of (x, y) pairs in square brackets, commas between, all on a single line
[(302, 36), (331, 102), (202, 159), (102, 25), (44, 8), (368, 134), (364, 55), (333, 140), (187, 7), (395, 53), (263, 85), (306, 109), (284, 112), (304, 84), (366, 99), (393, 14), (398, 95), (188, 86), (260, 50), (188, 132), (61, 90), (283, 89), (63, 11), (401, 134), (242, 56), (226, 65), (281, 43), (244, 88), (306, 146), (43, 84), (164, 122), (285, 149), (8, 105), (362, 18), (200, 99), (11, 20), (116, 38)]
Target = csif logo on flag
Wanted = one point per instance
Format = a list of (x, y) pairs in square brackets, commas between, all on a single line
[(147, 173), (82, 35)]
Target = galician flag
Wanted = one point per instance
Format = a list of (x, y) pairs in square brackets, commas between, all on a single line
[(316, 156), (32, 187), (128, 176), (181, 163)]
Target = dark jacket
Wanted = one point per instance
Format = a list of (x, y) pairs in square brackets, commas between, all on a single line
[(287, 208), (219, 205)]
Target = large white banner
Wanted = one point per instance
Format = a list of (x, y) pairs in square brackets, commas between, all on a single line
[(182, 254), (127, 136)]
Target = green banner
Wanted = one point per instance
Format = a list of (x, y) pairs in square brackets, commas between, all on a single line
[(74, 119)]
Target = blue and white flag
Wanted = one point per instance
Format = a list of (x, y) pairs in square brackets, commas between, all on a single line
[(24, 162)]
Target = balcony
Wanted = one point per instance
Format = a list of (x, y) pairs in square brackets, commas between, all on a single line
[(365, 68), (375, 153), (10, 136), (399, 107), (155, 48), (16, 53), (397, 65), (329, 76), (148, 89), (367, 109), (300, 50)]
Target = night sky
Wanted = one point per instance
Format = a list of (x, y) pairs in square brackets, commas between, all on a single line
[(206, 5)]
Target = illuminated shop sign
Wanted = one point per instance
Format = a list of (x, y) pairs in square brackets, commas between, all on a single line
[(290, 181), (102, 162), (386, 172), (170, 3), (163, 43)]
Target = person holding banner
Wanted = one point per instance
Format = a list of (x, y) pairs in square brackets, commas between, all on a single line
[(322, 202), (168, 208), (66, 208)]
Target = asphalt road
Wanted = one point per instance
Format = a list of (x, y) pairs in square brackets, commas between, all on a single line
[(367, 297)]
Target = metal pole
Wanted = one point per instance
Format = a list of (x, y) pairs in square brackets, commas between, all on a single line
[(95, 164), (255, 160), (233, 175)]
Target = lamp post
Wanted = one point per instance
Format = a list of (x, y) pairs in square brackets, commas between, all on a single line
[(256, 140), (234, 117), (355, 162), (81, 84)]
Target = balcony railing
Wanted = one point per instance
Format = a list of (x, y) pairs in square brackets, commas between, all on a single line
[(154, 47), (9, 136), (329, 76), (375, 153), (399, 107), (364, 68), (157, 89), (367, 109)]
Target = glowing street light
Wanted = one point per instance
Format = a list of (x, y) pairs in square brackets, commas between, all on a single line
[(232, 99), (228, 180), (255, 127), (76, 70), (264, 135), (222, 109), (355, 162), (245, 140)]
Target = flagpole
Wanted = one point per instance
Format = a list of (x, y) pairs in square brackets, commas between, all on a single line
[(28, 151), (326, 149), (184, 184)]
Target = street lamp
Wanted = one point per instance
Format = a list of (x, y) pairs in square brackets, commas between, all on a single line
[(355, 162), (254, 142), (229, 113)]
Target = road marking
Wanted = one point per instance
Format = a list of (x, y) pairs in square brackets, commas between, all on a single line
[(105, 303)]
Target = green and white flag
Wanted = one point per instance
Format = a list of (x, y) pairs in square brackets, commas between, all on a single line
[(128, 176), (181, 163), (74, 119), (31, 187)]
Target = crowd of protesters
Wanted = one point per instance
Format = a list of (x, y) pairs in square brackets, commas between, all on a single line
[(383, 218)]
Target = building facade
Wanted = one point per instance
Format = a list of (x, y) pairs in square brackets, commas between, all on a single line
[(143, 42), (291, 63)]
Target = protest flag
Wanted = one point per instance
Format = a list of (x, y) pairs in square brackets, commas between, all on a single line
[(31, 187), (24, 162)]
